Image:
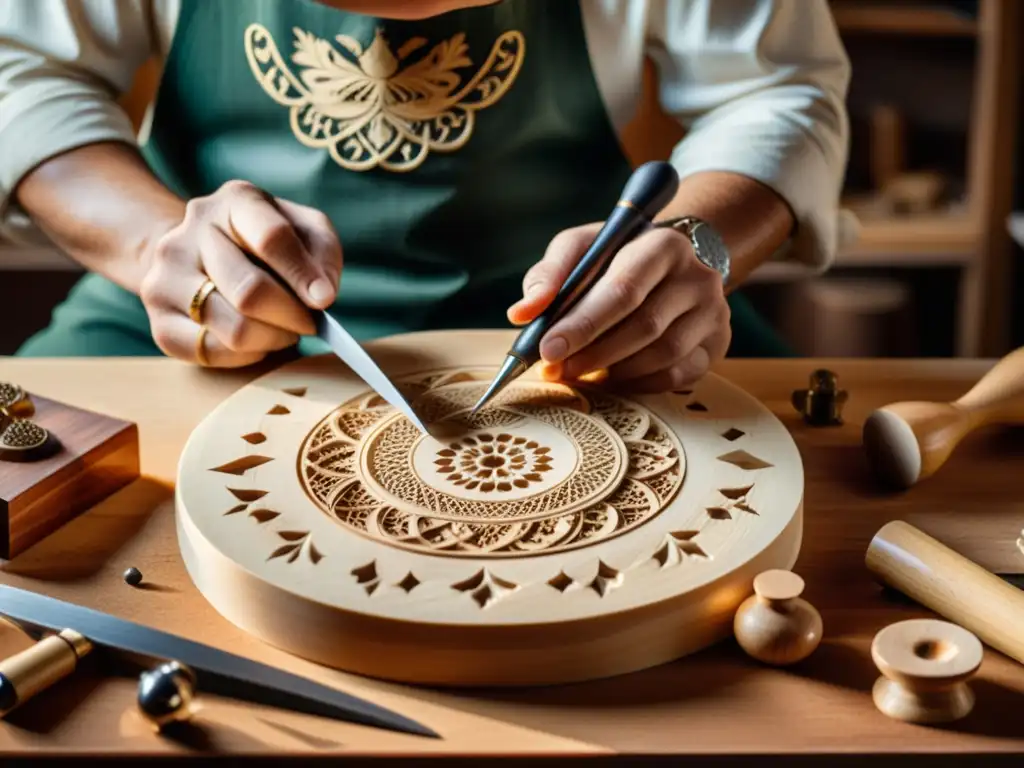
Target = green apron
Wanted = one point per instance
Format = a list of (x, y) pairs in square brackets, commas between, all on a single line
[(447, 153)]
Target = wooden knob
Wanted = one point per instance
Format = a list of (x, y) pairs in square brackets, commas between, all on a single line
[(908, 442), (925, 664), (775, 625)]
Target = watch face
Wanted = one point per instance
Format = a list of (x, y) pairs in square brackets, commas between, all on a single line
[(711, 250)]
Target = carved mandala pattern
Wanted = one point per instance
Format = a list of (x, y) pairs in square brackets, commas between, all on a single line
[(544, 468), (494, 465)]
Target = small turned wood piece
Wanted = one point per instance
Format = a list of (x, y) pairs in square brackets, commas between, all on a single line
[(821, 404), (775, 625), (925, 664), (908, 442), (166, 694)]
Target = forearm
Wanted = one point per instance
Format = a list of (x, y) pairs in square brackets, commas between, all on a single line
[(752, 219), (102, 206)]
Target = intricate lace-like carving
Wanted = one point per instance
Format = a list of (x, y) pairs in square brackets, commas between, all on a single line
[(544, 468)]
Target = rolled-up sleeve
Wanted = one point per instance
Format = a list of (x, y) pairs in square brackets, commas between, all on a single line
[(63, 66), (760, 86)]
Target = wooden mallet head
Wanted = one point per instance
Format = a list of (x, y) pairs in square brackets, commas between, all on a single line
[(908, 442)]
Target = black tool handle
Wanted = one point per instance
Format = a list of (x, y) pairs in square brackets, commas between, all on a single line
[(648, 190)]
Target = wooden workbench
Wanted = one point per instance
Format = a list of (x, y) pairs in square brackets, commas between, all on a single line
[(718, 702)]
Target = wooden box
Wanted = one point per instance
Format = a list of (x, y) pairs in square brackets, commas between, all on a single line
[(98, 455)]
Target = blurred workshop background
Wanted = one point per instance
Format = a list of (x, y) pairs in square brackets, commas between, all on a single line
[(932, 267)]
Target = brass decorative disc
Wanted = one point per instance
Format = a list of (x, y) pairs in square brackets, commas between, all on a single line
[(21, 435)]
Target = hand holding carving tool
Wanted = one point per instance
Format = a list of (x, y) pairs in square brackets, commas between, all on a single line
[(908, 442), (39, 666), (217, 672), (648, 190), (961, 591)]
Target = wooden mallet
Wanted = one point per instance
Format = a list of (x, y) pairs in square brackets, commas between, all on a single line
[(909, 441)]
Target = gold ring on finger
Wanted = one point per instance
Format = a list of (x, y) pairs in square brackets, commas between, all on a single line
[(195, 308), (201, 347)]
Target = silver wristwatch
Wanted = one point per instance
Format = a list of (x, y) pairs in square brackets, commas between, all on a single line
[(707, 244)]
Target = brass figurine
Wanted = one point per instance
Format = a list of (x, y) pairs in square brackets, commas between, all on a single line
[(821, 404), (24, 440), (14, 404), (20, 438)]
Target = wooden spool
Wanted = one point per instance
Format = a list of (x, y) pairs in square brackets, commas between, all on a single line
[(565, 534), (925, 664)]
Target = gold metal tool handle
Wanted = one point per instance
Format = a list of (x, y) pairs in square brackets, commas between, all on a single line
[(35, 669)]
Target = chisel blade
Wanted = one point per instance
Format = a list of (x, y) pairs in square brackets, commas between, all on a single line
[(217, 672)]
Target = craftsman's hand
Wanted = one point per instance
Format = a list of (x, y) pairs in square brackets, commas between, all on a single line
[(654, 322), (250, 314)]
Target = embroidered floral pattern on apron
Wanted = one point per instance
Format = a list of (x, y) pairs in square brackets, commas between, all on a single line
[(375, 108)]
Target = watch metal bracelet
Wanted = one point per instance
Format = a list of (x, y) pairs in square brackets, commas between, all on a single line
[(708, 246)]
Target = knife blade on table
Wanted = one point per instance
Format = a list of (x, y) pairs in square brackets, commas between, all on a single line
[(217, 672)]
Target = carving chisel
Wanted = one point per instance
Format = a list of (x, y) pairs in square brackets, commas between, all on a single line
[(344, 345), (349, 351), (651, 187), (217, 672)]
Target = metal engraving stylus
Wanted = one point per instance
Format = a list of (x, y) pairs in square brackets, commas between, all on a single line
[(648, 190)]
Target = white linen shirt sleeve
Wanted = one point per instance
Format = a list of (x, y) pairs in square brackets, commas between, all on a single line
[(63, 65), (760, 86)]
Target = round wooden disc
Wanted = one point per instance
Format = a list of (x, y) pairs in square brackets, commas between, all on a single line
[(561, 534)]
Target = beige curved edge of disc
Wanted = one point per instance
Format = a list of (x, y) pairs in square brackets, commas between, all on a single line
[(459, 656)]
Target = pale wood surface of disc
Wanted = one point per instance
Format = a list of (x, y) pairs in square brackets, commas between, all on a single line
[(565, 534), (717, 702)]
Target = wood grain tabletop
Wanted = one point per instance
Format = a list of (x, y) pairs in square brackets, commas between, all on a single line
[(718, 702)]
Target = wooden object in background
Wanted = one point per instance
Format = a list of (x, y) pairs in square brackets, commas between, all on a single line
[(775, 625), (566, 535), (98, 456), (976, 241), (925, 665), (913, 194), (908, 442), (888, 145), (907, 559), (985, 289), (850, 317)]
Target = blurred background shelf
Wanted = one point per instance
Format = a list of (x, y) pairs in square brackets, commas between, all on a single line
[(903, 19), (919, 241), (933, 105)]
